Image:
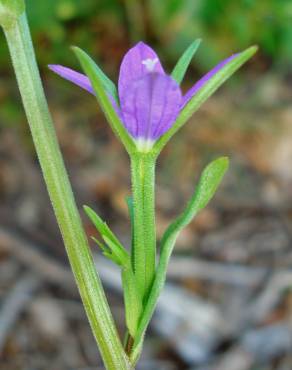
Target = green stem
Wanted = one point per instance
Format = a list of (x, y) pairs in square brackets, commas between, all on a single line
[(144, 246), (50, 158)]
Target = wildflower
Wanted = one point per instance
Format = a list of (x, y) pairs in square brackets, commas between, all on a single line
[(149, 100)]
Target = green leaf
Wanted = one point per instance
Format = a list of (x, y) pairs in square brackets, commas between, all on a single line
[(132, 299), (119, 252), (94, 74), (208, 184), (116, 252), (102, 246), (206, 188), (184, 61), (130, 204), (203, 94), (107, 252), (101, 226)]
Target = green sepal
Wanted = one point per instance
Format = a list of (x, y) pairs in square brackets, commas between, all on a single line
[(93, 72), (203, 94), (108, 84), (10, 11), (114, 250), (206, 188), (184, 61)]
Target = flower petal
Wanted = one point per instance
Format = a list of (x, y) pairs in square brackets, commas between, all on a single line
[(150, 105), (80, 80), (77, 78), (139, 61), (199, 84)]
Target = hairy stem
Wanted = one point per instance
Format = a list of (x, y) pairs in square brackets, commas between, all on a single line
[(54, 172), (144, 246)]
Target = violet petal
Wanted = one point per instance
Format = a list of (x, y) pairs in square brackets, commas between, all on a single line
[(199, 84), (150, 105), (138, 61), (82, 81), (77, 78)]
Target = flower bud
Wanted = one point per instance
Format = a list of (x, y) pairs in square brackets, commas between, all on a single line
[(10, 10)]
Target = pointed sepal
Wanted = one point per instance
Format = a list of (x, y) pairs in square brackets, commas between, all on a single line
[(110, 110), (184, 61), (205, 91)]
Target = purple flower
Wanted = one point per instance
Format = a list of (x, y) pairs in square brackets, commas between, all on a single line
[(149, 99)]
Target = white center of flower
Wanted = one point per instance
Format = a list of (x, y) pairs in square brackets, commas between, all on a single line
[(150, 63), (144, 145)]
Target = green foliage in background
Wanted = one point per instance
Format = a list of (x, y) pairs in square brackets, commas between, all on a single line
[(107, 27), (55, 23), (226, 26)]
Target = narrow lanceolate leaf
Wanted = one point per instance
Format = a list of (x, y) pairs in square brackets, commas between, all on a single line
[(132, 299), (129, 201), (130, 204), (107, 252), (114, 250), (204, 93), (184, 61), (207, 186), (93, 73)]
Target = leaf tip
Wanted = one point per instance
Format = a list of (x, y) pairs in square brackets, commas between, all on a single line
[(219, 165), (251, 50), (74, 48), (224, 161), (89, 212), (85, 207), (77, 51), (255, 48)]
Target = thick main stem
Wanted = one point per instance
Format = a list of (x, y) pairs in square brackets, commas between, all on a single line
[(42, 129), (144, 248)]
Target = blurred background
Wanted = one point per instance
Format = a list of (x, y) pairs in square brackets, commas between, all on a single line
[(228, 301)]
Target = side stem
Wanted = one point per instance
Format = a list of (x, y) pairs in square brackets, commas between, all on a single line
[(144, 246), (59, 188)]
